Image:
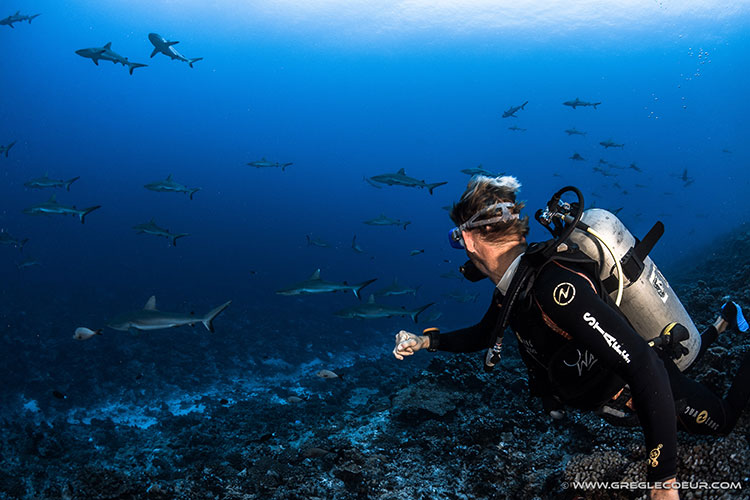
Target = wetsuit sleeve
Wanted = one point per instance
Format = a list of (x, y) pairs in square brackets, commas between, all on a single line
[(474, 338), (570, 302)]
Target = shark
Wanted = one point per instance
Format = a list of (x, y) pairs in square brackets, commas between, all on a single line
[(150, 318), (6, 149), (573, 131), (315, 284), (461, 296), (166, 47), (576, 157), (609, 144), (578, 102), (372, 310), (517, 129), (316, 242), (355, 246), (106, 53), (436, 315), (382, 220), (51, 206), (46, 182), (605, 173), (17, 18), (452, 275), (685, 178), (479, 171), (170, 186), (396, 288), (9, 240), (263, 163), (27, 263), (511, 111), (635, 167), (401, 179), (150, 227)]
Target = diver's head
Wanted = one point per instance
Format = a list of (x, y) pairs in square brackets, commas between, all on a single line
[(488, 218)]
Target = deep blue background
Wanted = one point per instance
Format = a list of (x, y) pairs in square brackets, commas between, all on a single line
[(340, 109)]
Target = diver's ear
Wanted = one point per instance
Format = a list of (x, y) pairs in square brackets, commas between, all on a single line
[(469, 242)]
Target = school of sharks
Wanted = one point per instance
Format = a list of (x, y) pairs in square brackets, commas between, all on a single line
[(150, 318)]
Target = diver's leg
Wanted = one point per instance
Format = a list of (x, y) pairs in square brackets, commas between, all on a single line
[(700, 411), (739, 393), (731, 315)]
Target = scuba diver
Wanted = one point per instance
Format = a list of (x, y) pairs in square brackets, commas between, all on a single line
[(582, 348)]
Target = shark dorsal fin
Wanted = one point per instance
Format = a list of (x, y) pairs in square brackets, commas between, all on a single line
[(169, 177), (152, 221), (46, 174), (371, 299), (401, 171), (263, 159), (53, 198), (315, 275), (151, 304), (108, 45)]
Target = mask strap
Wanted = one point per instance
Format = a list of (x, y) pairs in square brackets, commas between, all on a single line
[(506, 216)]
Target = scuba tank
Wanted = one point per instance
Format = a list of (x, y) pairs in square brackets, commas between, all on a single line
[(627, 272)]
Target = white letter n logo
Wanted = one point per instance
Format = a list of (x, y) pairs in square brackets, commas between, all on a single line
[(564, 294)]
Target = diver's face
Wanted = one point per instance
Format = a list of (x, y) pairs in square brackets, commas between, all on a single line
[(476, 250)]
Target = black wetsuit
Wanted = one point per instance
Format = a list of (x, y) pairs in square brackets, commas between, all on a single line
[(581, 351)]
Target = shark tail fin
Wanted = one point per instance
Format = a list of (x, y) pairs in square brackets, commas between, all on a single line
[(22, 243), (7, 149), (82, 215), (524, 104), (209, 318), (132, 66), (596, 104), (32, 17), (193, 191), (358, 288), (415, 315), (175, 236), (191, 61), (284, 165), (71, 181), (406, 224), (433, 186)]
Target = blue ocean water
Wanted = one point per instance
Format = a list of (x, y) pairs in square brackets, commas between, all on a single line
[(344, 92)]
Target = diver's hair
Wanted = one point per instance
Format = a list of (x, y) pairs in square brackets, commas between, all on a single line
[(483, 192)]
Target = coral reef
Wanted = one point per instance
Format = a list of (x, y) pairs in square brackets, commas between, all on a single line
[(260, 426)]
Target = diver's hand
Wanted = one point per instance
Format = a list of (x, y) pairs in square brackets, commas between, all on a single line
[(408, 343), (665, 494)]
